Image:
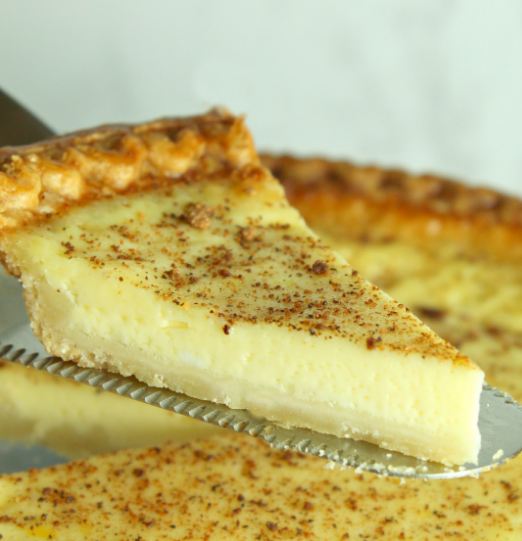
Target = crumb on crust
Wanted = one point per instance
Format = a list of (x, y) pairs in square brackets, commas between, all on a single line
[(197, 215)]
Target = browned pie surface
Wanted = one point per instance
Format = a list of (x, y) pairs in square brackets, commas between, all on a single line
[(372, 204), (235, 487)]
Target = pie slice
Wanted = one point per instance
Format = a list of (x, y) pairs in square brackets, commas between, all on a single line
[(166, 251), (72, 419)]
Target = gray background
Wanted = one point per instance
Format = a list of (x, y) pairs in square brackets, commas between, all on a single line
[(431, 85)]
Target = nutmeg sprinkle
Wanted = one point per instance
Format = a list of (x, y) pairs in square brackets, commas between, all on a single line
[(236, 487), (242, 259), (319, 267), (371, 342), (247, 235)]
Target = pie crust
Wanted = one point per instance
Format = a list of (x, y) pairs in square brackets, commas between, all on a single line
[(377, 204)]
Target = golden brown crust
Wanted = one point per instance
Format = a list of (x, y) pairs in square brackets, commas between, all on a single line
[(44, 178), (427, 192), (377, 204)]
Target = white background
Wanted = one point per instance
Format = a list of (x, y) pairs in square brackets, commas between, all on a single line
[(432, 85)]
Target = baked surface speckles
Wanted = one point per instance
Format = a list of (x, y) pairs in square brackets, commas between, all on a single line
[(181, 262), (234, 487)]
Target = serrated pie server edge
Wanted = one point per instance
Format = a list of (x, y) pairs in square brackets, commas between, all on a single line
[(500, 423)]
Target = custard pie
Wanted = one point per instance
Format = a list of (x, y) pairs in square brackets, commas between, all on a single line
[(167, 251)]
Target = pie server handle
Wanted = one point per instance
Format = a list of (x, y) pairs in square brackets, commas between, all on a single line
[(18, 126)]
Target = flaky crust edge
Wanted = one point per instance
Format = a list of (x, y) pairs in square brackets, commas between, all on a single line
[(46, 178), (374, 204)]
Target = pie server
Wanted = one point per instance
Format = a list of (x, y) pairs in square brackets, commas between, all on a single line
[(500, 423), (500, 419)]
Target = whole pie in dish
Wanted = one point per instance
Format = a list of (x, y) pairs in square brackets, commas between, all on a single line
[(166, 251)]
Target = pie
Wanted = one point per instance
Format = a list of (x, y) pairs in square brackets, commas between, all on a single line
[(234, 487), (166, 251)]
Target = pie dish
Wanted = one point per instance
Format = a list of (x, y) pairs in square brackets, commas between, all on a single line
[(166, 251)]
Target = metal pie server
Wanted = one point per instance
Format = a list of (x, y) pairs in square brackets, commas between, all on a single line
[(500, 423), (500, 420)]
